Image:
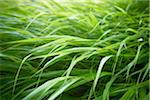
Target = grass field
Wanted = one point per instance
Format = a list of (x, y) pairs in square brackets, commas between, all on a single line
[(74, 50)]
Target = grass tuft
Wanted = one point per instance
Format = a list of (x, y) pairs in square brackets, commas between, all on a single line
[(50, 49)]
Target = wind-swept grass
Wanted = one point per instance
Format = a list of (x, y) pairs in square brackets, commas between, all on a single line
[(74, 50)]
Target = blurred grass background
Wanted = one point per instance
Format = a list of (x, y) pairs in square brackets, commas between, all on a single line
[(69, 50)]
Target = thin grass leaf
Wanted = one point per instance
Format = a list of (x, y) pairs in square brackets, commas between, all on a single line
[(103, 61)]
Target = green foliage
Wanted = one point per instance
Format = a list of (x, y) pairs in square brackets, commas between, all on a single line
[(74, 50)]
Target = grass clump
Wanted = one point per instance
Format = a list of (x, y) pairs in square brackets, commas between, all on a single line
[(74, 50)]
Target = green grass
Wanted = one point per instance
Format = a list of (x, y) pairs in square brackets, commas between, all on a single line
[(74, 50)]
